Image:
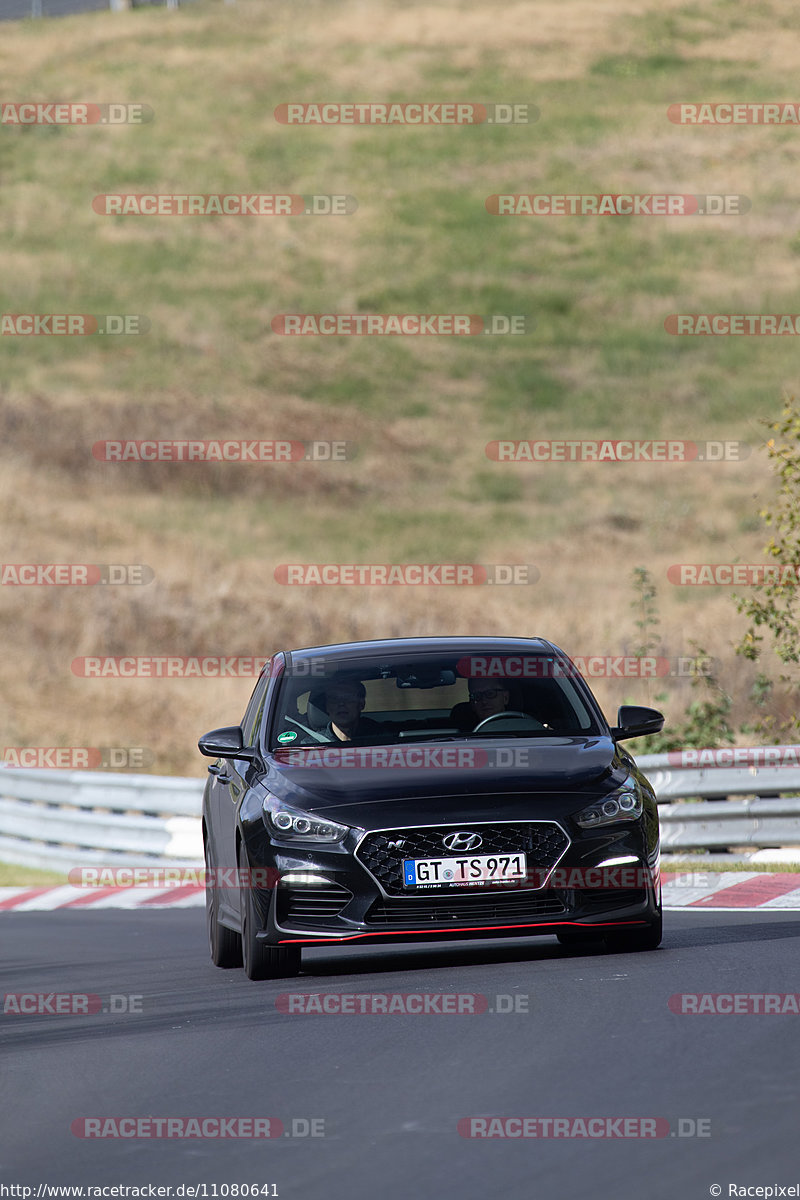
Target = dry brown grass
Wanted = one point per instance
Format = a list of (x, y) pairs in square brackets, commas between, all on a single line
[(214, 591), (420, 489)]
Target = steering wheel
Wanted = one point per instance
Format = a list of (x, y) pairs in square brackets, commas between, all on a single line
[(508, 712)]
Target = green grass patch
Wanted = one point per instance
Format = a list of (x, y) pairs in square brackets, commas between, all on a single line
[(12, 875)]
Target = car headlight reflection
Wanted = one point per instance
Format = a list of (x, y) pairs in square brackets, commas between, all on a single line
[(291, 825), (624, 805)]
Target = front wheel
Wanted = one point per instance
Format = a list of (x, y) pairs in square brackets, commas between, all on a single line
[(225, 944), (260, 960)]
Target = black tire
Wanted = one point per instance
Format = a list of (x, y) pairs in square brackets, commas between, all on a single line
[(260, 960), (630, 940), (224, 944)]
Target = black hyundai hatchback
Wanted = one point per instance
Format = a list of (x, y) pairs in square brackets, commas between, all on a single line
[(426, 789)]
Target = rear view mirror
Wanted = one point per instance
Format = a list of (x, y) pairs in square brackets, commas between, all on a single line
[(425, 677)]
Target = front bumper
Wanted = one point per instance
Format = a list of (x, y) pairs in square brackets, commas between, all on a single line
[(323, 896)]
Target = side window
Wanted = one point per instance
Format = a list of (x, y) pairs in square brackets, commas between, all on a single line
[(255, 708), (257, 718)]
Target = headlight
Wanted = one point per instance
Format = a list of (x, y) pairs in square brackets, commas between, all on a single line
[(290, 825), (623, 805)]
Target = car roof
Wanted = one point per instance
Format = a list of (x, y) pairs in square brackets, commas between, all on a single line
[(446, 644)]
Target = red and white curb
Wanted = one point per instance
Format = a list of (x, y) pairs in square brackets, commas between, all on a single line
[(21, 899), (725, 890), (730, 890)]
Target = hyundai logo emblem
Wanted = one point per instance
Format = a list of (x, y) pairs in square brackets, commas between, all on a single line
[(463, 840)]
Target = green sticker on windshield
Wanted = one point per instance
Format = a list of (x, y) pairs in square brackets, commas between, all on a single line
[(289, 736)]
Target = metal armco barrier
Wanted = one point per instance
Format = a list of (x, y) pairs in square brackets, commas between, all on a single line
[(769, 776), (17, 10), (58, 820)]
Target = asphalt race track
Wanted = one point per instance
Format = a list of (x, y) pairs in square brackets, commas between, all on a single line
[(598, 1040)]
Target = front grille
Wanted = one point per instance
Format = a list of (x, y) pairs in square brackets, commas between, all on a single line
[(383, 853), (299, 906), (455, 910)]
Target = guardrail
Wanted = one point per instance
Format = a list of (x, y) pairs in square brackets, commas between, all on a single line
[(21, 9), (768, 775), (57, 820)]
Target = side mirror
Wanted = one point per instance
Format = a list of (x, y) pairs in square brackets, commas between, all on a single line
[(226, 742), (635, 721)]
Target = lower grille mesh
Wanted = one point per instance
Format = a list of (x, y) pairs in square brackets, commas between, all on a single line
[(459, 909)]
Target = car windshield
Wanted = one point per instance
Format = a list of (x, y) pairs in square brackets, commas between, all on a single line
[(396, 699)]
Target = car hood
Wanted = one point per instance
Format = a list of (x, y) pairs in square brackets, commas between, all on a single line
[(355, 777)]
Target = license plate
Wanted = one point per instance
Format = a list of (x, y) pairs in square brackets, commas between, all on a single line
[(475, 868)]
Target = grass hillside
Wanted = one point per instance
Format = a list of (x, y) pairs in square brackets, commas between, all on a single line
[(420, 488)]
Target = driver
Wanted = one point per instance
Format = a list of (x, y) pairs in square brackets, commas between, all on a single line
[(487, 697), (344, 701)]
